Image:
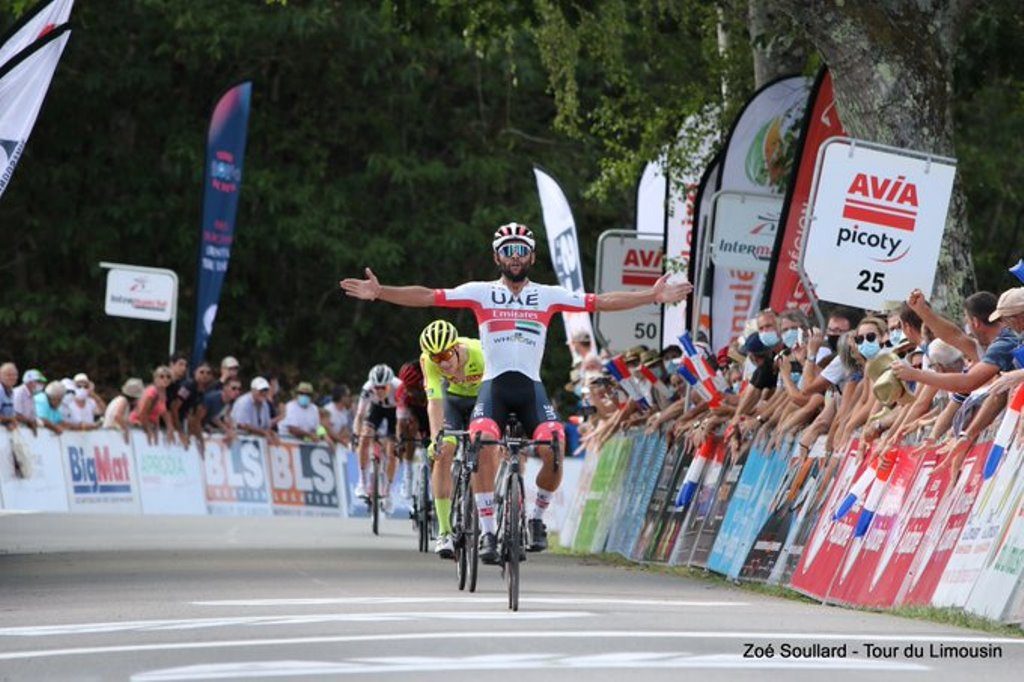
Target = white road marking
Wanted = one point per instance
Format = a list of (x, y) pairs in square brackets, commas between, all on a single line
[(577, 601), (298, 619), (551, 662), (528, 634)]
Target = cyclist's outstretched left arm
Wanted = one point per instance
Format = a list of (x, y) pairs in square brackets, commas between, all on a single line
[(370, 289), (661, 292)]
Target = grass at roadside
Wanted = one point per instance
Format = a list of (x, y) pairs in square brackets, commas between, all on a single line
[(944, 616)]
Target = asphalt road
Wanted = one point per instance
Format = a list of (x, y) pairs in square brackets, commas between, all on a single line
[(159, 598)]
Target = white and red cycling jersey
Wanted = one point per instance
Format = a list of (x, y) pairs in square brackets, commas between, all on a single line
[(513, 327)]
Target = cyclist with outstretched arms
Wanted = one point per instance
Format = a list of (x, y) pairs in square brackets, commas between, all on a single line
[(453, 369), (513, 315), (377, 405)]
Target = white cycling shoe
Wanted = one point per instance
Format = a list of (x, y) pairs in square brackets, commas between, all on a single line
[(361, 491), (444, 547)]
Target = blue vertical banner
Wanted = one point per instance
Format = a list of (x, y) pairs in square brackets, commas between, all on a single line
[(225, 154)]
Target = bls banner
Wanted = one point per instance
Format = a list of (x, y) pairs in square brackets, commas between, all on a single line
[(225, 154), (304, 480), (236, 477), (785, 290), (877, 220), (24, 80), (100, 472), (564, 246)]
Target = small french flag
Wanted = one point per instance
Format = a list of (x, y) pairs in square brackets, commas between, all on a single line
[(705, 379), (1004, 434), (617, 368), (692, 481)]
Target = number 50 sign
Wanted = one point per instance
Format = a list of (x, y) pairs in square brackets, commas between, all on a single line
[(877, 216)]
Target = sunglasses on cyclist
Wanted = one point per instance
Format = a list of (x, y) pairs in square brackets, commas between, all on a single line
[(861, 338), (443, 356), (512, 250)]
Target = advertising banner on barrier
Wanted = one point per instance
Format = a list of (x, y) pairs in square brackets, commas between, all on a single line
[(877, 220), (807, 505), (1000, 586), (400, 506), (236, 477), (303, 479), (648, 457), (980, 536), (100, 471), (942, 535), (42, 486), (691, 521), (708, 536), (727, 544), (579, 493), (609, 467), (170, 477), (873, 547), (648, 546), (785, 290), (824, 550)]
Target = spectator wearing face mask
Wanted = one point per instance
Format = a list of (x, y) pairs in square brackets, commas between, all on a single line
[(81, 411), (301, 416)]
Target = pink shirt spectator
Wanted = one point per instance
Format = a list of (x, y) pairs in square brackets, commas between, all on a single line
[(157, 407)]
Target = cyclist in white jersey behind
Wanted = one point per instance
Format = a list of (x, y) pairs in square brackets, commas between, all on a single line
[(513, 315), (377, 409)]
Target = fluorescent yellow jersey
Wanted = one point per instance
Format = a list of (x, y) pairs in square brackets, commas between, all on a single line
[(466, 383)]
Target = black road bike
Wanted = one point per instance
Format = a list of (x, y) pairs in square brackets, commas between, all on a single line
[(465, 522)]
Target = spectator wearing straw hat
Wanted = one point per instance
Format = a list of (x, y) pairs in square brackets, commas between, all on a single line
[(301, 416), (116, 414)]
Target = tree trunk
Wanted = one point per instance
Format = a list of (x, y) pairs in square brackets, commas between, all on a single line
[(892, 68), (774, 42)]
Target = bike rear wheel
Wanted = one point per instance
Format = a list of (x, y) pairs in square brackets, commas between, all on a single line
[(459, 537), (473, 547), (513, 538), (423, 512)]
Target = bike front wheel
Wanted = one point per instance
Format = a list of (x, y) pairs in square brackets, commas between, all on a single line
[(513, 504)]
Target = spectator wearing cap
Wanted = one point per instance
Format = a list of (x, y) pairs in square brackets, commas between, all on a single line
[(32, 383), (228, 370), (215, 412), (186, 399), (81, 411), (119, 409), (339, 415), (301, 416), (250, 413), (151, 409), (48, 404), (8, 380), (997, 328)]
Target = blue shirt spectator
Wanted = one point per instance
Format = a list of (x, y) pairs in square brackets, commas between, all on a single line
[(1000, 351)]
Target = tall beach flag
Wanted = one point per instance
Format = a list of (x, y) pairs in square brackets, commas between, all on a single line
[(34, 24), (651, 199), (24, 80), (225, 156), (784, 289), (564, 247)]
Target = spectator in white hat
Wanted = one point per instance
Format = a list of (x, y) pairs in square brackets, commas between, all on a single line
[(251, 411), (85, 406), (32, 382)]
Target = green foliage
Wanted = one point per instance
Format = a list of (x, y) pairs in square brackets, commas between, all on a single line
[(377, 137)]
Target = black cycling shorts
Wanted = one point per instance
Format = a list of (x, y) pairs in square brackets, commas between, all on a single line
[(379, 414), (419, 413), (458, 411), (514, 392)]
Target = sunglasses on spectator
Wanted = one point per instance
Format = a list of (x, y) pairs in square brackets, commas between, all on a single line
[(869, 337), (511, 250), (443, 356)]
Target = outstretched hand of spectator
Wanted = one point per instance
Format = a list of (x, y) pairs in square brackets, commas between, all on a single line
[(367, 289), (917, 301), (1007, 381)]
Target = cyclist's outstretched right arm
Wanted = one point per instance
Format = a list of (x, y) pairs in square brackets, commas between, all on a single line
[(370, 289)]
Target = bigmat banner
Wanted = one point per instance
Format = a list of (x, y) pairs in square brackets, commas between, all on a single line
[(24, 80), (754, 162), (222, 183), (100, 471), (877, 220), (304, 480), (33, 25), (170, 477), (40, 486), (821, 121), (564, 246), (236, 477)]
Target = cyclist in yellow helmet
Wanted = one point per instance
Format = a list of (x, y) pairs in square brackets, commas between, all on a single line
[(453, 368)]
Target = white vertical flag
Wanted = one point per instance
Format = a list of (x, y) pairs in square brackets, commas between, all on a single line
[(651, 193), (564, 246), (24, 81), (33, 25)]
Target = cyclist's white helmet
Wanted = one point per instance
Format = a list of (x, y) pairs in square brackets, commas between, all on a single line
[(381, 375), (513, 232)]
